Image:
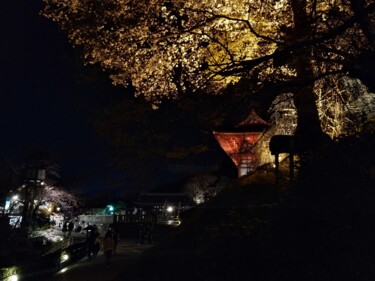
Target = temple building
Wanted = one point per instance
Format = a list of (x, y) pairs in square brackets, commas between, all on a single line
[(240, 143)]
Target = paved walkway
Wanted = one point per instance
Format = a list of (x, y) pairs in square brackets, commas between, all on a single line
[(94, 270)]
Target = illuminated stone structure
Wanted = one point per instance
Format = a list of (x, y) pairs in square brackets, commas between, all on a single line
[(239, 143)]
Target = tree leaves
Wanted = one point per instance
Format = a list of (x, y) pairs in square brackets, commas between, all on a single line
[(165, 49)]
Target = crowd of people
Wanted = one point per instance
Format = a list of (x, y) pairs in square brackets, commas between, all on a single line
[(108, 244), (67, 228), (146, 233), (95, 242)]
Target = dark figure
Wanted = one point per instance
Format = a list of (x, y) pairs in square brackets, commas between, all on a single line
[(116, 237), (65, 228), (149, 233), (90, 244), (97, 244), (108, 245), (142, 234), (70, 228)]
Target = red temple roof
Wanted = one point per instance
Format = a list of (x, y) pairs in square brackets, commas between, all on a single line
[(253, 120), (238, 142)]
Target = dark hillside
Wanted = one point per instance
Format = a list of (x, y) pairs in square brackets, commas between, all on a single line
[(321, 228)]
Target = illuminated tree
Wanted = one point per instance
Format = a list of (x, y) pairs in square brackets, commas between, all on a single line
[(51, 196), (167, 48), (40, 201), (203, 187), (37, 188)]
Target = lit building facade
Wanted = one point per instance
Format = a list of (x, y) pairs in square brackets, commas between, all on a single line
[(240, 142)]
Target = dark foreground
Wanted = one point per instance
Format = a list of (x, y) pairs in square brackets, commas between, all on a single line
[(84, 269)]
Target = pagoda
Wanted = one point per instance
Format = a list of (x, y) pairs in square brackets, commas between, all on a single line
[(239, 143)]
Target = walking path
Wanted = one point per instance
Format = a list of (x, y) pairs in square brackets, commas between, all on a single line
[(94, 270)]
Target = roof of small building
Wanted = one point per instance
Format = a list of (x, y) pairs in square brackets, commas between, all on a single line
[(252, 120), (252, 123)]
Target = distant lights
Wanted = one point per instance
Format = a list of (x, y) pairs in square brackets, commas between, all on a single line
[(64, 258), (174, 222), (111, 209)]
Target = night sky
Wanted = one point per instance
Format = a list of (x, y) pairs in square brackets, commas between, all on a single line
[(48, 98), (50, 101)]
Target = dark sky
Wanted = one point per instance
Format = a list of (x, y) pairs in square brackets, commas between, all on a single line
[(47, 104), (50, 100)]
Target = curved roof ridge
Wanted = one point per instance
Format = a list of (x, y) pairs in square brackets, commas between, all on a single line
[(251, 120)]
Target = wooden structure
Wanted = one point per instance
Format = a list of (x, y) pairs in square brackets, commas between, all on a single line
[(283, 144), (239, 142)]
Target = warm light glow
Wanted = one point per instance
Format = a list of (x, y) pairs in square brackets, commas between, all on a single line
[(237, 145), (174, 222), (170, 209), (15, 197), (64, 257), (11, 272), (240, 144), (13, 278), (208, 44), (214, 35)]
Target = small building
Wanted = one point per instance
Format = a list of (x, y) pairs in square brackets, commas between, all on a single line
[(240, 141)]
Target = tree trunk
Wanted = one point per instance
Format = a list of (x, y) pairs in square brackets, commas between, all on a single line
[(309, 134)]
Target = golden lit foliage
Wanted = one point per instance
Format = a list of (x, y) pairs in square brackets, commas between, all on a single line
[(162, 47), (166, 48)]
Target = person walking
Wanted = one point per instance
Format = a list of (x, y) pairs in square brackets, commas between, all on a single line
[(97, 244), (108, 246), (116, 237), (90, 242), (70, 230), (65, 228), (142, 233)]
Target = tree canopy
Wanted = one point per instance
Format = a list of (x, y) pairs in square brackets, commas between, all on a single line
[(164, 49)]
